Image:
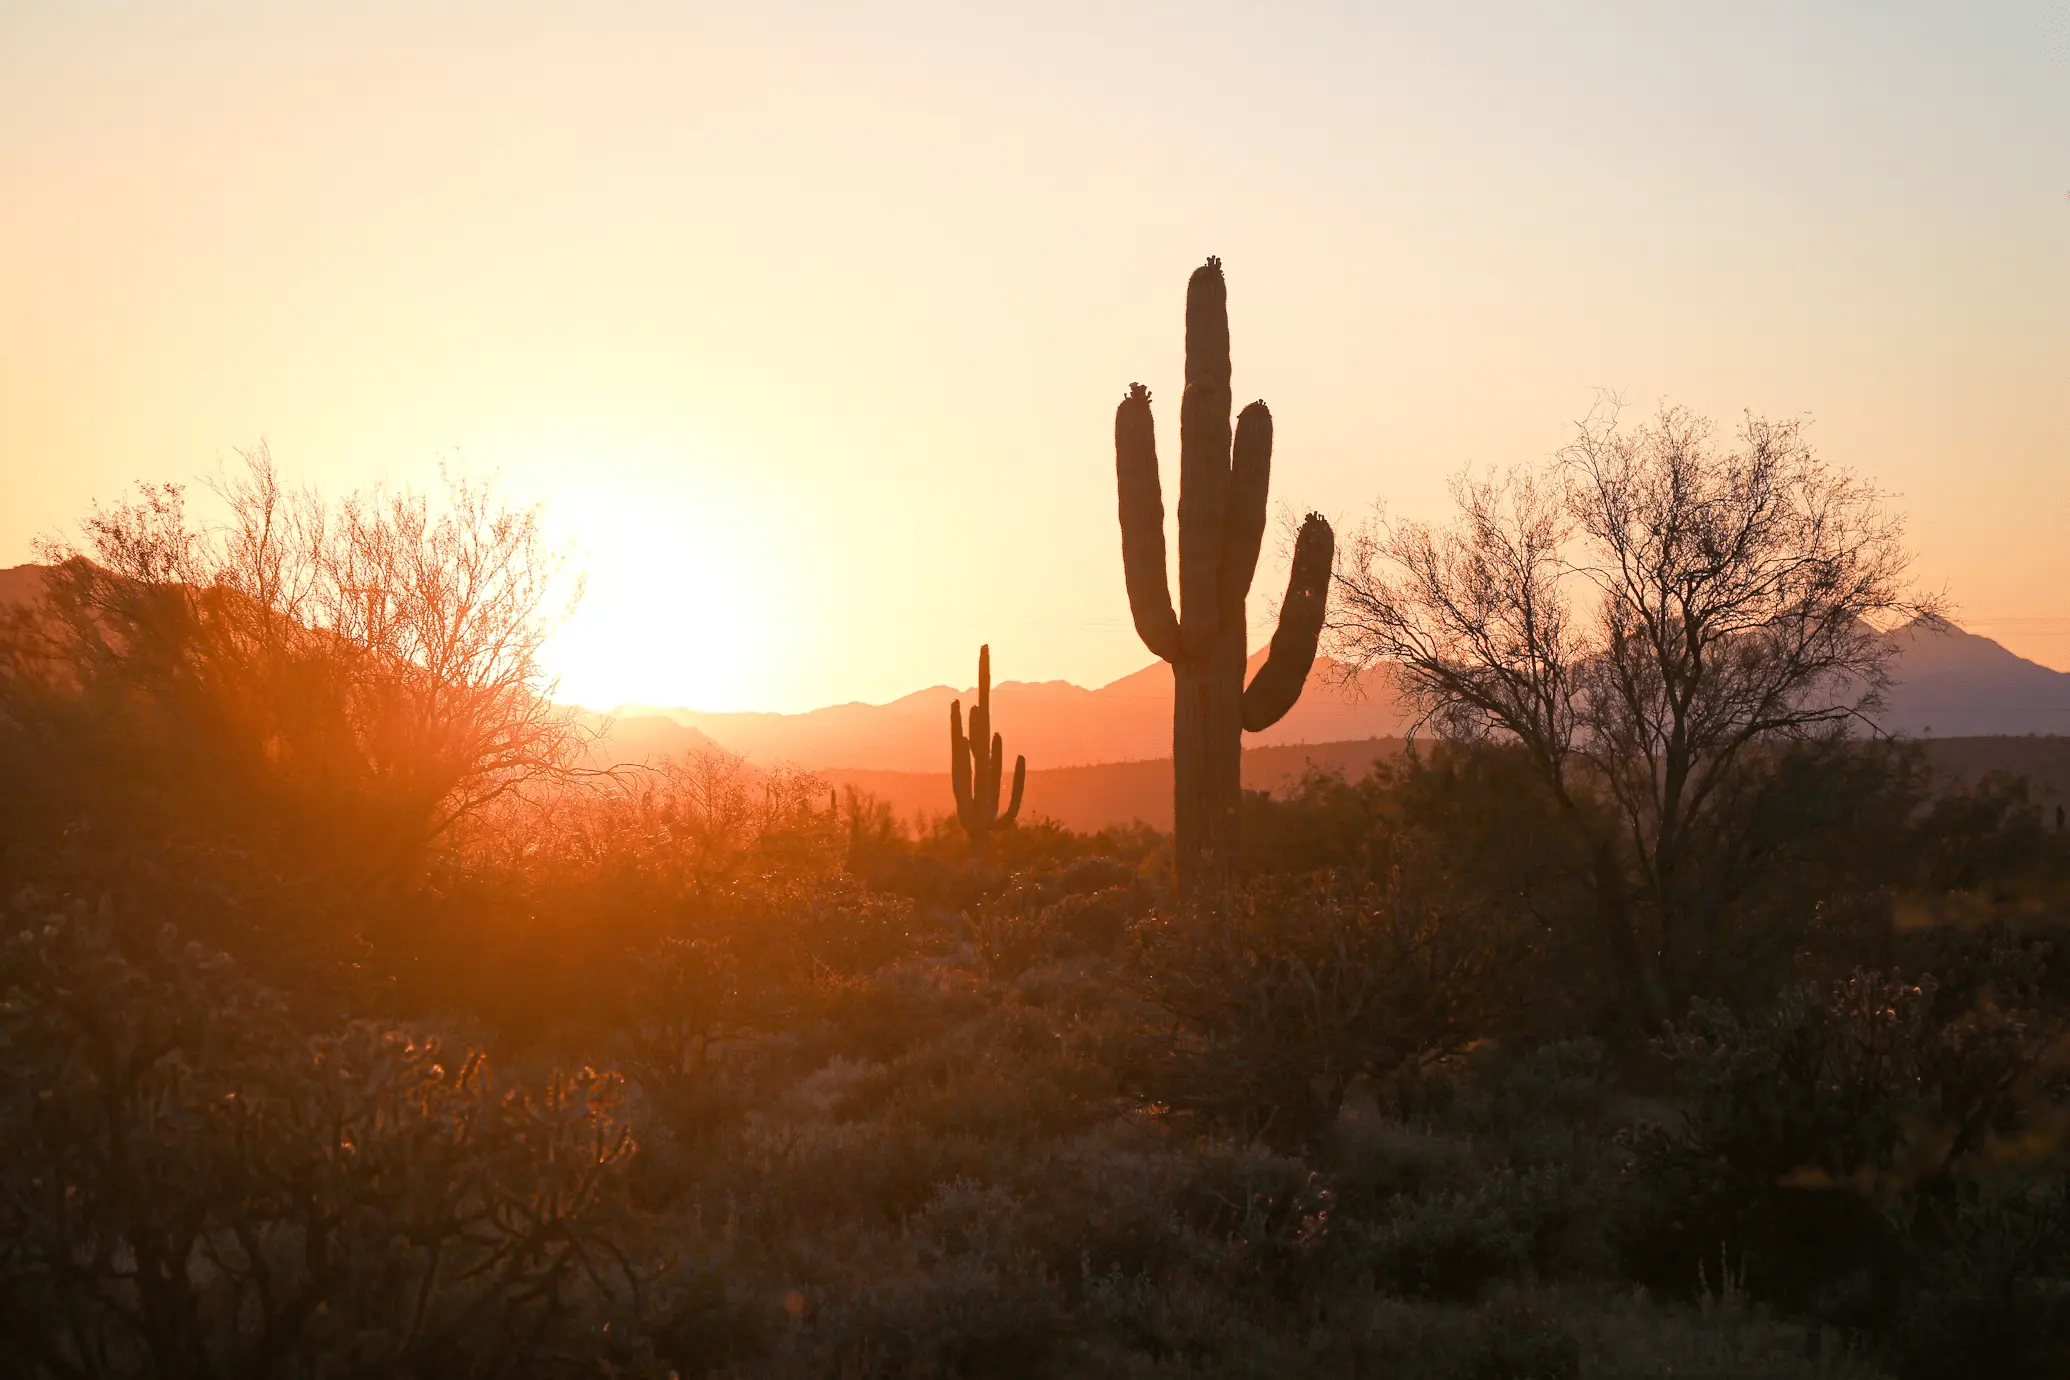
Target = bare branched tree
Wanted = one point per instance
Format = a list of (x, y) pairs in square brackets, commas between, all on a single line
[(1641, 616), (378, 656)]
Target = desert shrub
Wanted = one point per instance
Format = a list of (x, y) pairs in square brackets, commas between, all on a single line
[(1012, 932), (690, 1034), (664, 834), (1323, 822), (1514, 1085), (1522, 1342), (195, 1185), (1246, 1193), (1096, 899), (1264, 1009), (967, 1084), (2018, 960), (881, 1015), (1374, 1159), (1477, 815), (1446, 1246), (1531, 1225), (839, 925), (1820, 1131), (1987, 1274), (1087, 908), (1990, 836), (1095, 922), (713, 1324), (963, 1318), (931, 864), (1804, 834)]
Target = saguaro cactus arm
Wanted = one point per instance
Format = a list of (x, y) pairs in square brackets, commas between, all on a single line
[(1020, 780), (1250, 478), (1142, 524), (1203, 456), (1277, 685), (991, 785)]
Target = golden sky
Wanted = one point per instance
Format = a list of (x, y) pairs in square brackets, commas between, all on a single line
[(807, 322)]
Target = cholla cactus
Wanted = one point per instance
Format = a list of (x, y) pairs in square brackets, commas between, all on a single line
[(975, 762), (1222, 487)]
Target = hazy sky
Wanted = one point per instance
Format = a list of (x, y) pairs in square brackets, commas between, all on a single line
[(807, 322)]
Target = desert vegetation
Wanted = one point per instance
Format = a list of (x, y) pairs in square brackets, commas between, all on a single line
[(1636, 1023)]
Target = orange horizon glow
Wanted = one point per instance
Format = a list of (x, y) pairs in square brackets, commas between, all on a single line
[(808, 328)]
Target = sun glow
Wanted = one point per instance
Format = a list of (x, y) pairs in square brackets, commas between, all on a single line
[(676, 608), (815, 357)]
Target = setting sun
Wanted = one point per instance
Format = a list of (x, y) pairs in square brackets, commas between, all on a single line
[(675, 610)]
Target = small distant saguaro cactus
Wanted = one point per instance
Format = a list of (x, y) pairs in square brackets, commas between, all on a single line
[(1222, 488), (975, 761)]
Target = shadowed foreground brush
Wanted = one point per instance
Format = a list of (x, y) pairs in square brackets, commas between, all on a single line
[(194, 1186), (1273, 1003)]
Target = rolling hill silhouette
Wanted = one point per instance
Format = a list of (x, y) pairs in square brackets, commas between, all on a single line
[(1054, 723), (1946, 684), (1102, 757)]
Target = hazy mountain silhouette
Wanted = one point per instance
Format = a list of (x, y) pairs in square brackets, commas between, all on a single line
[(1054, 723), (1955, 684), (1947, 684), (615, 740)]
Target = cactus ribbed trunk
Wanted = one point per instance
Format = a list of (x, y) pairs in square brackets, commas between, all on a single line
[(1207, 757), (1223, 483)]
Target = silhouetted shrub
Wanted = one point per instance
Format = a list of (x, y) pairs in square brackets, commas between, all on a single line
[(1821, 1135), (1268, 1006), (1450, 1245), (689, 1035), (194, 1185), (1984, 1270), (1990, 836)]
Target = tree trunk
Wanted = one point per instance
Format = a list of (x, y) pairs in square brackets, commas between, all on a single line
[(1638, 979)]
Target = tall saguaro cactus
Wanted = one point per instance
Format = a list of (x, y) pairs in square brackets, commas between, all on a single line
[(1222, 488), (975, 762)]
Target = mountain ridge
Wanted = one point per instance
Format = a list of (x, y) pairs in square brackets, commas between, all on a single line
[(1946, 683), (1054, 723)]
